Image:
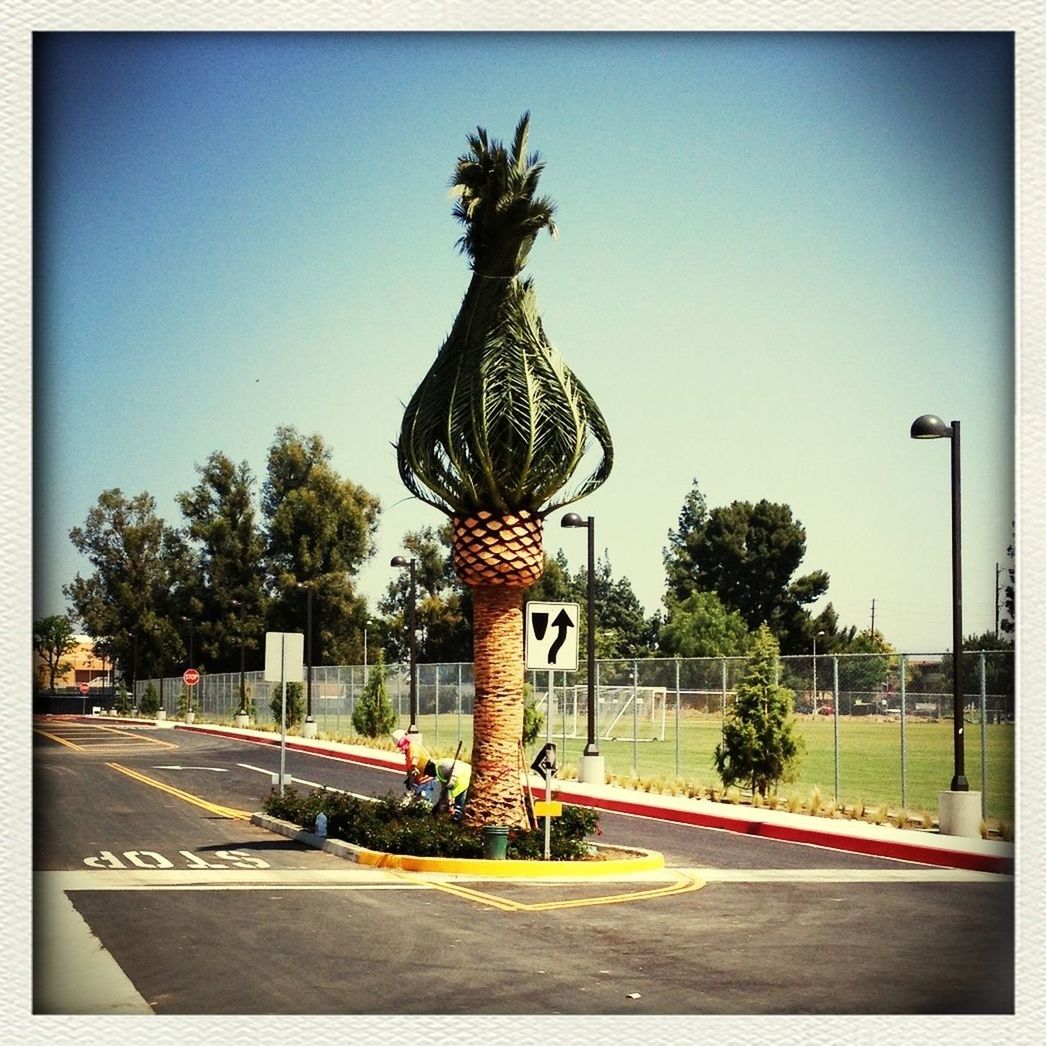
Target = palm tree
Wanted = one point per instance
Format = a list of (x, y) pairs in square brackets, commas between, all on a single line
[(491, 437)]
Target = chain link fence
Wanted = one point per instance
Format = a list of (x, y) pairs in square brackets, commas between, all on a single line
[(876, 729)]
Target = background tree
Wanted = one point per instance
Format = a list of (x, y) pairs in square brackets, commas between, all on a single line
[(700, 626), (373, 714), (444, 604), (142, 581), (53, 638), (747, 554), (222, 523), (760, 746), (319, 530), (869, 674)]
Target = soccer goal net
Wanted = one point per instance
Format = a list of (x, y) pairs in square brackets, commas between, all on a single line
[(623, 713)]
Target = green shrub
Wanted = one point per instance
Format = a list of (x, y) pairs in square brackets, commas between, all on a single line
[(187, 701), (123, 703), (150, 700), (374, 715), (533, 720), (295, 703), (389, 825)]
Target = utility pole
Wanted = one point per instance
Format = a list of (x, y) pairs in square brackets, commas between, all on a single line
[(873, 619)]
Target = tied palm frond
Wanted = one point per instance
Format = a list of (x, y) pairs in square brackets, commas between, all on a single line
[(500, 422)]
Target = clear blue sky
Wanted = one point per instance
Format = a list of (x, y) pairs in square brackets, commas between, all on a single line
[(775, 251)]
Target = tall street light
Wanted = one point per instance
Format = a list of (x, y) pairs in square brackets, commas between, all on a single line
[(929, 426), (243, 690), (572, 519), (400, 561), (307, 585)]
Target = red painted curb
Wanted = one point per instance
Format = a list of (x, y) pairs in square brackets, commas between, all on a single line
[(900, 850)]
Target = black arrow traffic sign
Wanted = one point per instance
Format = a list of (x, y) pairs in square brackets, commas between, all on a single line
[(551, 636), (562, 622)]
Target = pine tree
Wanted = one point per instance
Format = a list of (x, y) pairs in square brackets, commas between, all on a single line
[(374, 715), (760, 746)]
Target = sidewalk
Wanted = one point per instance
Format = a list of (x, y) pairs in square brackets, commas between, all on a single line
[(904, 844)]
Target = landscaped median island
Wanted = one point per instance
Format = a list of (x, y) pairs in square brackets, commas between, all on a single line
[(393, 826), (391, 833)]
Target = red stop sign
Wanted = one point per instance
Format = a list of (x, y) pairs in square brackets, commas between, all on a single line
[(190, 677), (84, 688)]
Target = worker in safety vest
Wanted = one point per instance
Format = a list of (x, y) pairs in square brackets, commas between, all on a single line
[(419, 762), (454, 776)]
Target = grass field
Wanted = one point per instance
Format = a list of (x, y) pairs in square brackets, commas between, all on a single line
[(869, 758)]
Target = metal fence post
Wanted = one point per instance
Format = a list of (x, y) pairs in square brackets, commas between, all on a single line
[(722, 700), (458, 738), (984, 741), (677, 717), (835, 707), (904, 763), (635, 718), (436, 727)]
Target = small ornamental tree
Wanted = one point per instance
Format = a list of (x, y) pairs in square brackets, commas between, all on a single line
[(295, 711), (374, 715), (123, 703), (187, 701), (760, 746), (150, 701)]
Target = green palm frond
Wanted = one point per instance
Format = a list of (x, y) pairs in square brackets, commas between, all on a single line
[(500, 422)]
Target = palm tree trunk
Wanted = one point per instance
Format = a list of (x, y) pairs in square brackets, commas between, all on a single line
[(495, 791)]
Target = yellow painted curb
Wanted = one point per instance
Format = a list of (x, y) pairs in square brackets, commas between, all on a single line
[(644, 861)]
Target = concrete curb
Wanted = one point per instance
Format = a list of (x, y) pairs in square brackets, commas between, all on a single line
[(903, 844), (643, 861)]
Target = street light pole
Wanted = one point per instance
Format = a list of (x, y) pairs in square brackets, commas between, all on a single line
[(243, 692), (307, 585), (400, 561), (929, 426), (593, 772)]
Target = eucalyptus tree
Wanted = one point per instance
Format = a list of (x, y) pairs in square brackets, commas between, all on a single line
[(319, 530), (492, 437), (143, 573), (228, 594)]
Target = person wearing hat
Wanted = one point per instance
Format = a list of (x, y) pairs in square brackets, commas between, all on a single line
[(454, 776), (419, 762)]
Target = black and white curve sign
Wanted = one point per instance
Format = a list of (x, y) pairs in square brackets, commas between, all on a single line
[(551, 636)]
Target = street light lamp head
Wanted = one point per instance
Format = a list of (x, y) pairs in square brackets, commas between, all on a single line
[(929, 426), (572, 519), (398, 561)]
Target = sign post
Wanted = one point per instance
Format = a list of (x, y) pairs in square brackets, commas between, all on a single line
[(85, 689), (545, 764), (284, 663)]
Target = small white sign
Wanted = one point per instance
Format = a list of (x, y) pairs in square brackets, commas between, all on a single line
[(550, 637), (285, 657)]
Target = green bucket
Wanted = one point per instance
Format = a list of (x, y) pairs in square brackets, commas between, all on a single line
[(495, 841)]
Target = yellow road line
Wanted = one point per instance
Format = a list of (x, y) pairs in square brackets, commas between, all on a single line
[(60, 740), (91, 740), (684, 884), (214, 808)]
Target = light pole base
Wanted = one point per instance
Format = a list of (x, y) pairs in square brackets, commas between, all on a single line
[(959, 813), (308, 728), (592, 769)]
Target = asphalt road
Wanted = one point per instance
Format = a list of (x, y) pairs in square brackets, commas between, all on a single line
[(200, 912)]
